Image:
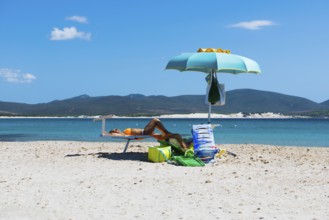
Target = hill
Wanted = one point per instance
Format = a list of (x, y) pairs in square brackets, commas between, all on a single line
[(241, 100)]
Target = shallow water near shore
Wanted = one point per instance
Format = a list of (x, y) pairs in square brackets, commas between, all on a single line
[(285, 132)]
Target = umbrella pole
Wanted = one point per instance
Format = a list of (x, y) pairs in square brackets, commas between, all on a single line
[(209, 114), (213, 75)]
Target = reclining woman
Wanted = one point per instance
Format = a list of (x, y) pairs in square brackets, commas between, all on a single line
[(155, 123)]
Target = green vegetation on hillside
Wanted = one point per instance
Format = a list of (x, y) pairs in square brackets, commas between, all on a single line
[(242, 100)]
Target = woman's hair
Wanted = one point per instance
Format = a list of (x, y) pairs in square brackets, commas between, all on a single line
[(115, 131)]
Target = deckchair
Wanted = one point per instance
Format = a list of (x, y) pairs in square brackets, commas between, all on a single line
[(203, 136), (204, 142), (128, 138)]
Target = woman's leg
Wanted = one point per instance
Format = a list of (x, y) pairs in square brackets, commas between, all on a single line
[(153, 124), (156, 123)]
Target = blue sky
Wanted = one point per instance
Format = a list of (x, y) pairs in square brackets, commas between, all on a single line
[(60, 49)]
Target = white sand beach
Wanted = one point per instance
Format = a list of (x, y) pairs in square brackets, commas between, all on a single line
[(85, 180), (264, 115), (234, 115)]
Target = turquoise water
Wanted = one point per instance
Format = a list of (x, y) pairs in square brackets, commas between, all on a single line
[(288, 132)]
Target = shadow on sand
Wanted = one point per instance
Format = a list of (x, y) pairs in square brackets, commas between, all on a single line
[(134, 156)]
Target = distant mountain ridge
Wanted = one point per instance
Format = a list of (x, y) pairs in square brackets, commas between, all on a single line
[(240, 100)]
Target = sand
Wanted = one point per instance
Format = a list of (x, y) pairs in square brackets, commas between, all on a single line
[(83, 180)]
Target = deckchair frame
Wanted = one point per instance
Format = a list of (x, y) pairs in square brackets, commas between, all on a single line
[(129, 138)]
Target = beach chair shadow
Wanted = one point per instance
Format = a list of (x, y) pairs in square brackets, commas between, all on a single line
[(133, 156)]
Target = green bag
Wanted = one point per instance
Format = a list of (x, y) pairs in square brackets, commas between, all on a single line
[(214, 94), (189, 161)]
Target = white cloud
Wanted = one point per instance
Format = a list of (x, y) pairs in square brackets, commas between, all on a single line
[(68, 33), (78, 18), (15, 76), (253, 25)]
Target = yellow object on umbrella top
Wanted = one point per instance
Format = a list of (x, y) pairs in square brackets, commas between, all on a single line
[(219, 50)]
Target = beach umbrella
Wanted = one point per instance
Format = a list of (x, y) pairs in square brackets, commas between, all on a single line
[(212, 61)]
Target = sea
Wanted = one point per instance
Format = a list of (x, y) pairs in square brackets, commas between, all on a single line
[(286, 132)]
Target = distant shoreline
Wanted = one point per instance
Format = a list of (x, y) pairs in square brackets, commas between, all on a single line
[(267, 115)]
